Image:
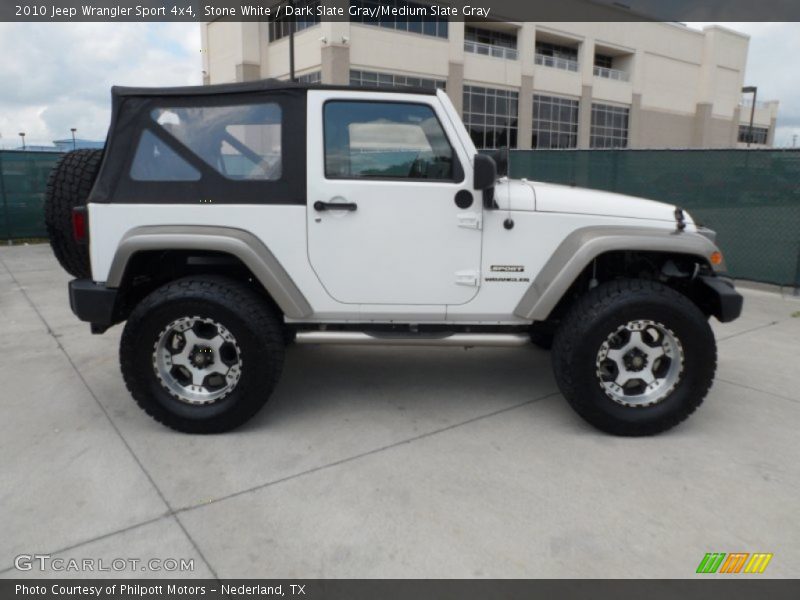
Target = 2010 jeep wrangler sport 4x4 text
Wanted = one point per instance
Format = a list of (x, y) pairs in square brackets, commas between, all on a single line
[(225, 222)]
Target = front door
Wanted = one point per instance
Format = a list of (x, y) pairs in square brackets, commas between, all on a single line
[(392, 218)]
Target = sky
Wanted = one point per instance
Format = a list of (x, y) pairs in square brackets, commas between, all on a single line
[(55, 76)]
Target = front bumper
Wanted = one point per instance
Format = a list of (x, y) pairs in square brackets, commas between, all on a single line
[(723, 301), (94, 303)]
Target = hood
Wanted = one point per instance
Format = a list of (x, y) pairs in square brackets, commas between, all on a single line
[(514, 194), (565, 199)]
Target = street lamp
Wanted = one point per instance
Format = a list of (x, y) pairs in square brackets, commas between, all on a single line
[(751, 89), (22, 135), (73, 130)]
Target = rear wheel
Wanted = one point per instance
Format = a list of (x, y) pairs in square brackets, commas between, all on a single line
[(634, 357), (68, 186), (202, 354)]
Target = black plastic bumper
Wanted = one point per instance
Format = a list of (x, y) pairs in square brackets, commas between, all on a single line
[(725, 302), (94, 303)]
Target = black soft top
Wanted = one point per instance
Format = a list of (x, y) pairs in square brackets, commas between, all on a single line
[(262, 85)]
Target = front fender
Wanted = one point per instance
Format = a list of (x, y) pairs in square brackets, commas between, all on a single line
[(583, 245)]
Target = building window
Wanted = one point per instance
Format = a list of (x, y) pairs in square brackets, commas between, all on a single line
[(556, 56), (604, 61), (279, 27), (373, 79), (490, 116), (555, 122), (490, 43), (759, 135), (313, 77), (385, 140), (604, 67), (609, 126), (386, 13)]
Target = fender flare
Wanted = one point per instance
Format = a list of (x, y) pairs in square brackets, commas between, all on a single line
[(583, 245), (237, 242)]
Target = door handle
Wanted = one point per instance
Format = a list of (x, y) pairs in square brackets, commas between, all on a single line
[(320, 206)]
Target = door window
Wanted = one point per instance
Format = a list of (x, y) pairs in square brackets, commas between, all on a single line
[(385, 140)]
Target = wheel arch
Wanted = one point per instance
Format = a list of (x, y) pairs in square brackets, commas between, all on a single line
[(239, 244), (583, 247)]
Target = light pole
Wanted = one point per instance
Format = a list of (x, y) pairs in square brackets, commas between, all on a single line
[(291, 43), (22, 135), (73, 130), (751, 89)]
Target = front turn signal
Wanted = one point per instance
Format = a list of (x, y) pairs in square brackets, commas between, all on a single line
[(716, 258)]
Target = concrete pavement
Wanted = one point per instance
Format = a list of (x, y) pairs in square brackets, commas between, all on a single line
[(390, 462)]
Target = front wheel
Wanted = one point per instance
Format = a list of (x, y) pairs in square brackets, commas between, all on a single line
[(202, 354), (634, 357)]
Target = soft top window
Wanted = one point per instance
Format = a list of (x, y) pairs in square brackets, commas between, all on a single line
[(241, 142)]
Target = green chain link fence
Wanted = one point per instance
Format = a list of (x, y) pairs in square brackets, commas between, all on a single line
[(751, 198), (23, 177)]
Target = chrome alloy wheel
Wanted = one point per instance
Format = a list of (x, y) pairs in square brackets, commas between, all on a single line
[(197, 360), (640, 363)]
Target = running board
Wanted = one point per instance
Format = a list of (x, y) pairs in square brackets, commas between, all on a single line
[(357, 338)]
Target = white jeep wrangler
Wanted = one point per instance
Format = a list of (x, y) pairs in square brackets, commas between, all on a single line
[(225, 222)]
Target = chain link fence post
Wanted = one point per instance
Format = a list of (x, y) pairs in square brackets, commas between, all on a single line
[(6, 217)]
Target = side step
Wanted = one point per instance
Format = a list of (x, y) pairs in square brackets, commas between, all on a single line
[(358, 338)]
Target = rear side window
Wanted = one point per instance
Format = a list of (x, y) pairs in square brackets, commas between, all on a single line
[(240, 142), (385, 140), (155, 161)]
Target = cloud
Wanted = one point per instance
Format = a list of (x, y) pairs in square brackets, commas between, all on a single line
[(56, 76)]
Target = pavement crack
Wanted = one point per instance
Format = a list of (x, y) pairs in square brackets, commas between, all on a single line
[(361, 455), (755, 389), (170, 511), (751, 330)]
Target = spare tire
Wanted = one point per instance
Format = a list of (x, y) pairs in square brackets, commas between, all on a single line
[(68, 186)]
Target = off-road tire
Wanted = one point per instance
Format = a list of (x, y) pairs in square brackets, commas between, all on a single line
[(598, 313), (68, 186), (542, 337), (246, 314)]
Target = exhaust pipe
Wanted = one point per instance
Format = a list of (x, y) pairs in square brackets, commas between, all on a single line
[(467, 340)]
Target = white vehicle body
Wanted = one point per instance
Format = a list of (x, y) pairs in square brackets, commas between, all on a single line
[(408, 254)]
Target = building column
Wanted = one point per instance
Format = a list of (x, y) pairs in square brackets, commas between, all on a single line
[(585, 118), (248, 68), (336, 64), (248, 72), (701, 137), (737, 116), (455, 85), (635, 122), (525, 113), (771, 134)]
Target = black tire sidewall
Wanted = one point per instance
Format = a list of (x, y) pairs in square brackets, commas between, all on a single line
[(699, 364), (251, 391)]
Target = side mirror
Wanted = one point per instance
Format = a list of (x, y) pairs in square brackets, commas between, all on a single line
[(485, 172)]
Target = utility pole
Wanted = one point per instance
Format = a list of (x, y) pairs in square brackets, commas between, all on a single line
[(74, 145), (22, 135), (291, 43), (751, 89)]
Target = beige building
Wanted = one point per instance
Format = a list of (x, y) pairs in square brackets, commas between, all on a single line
[(540, 85)]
